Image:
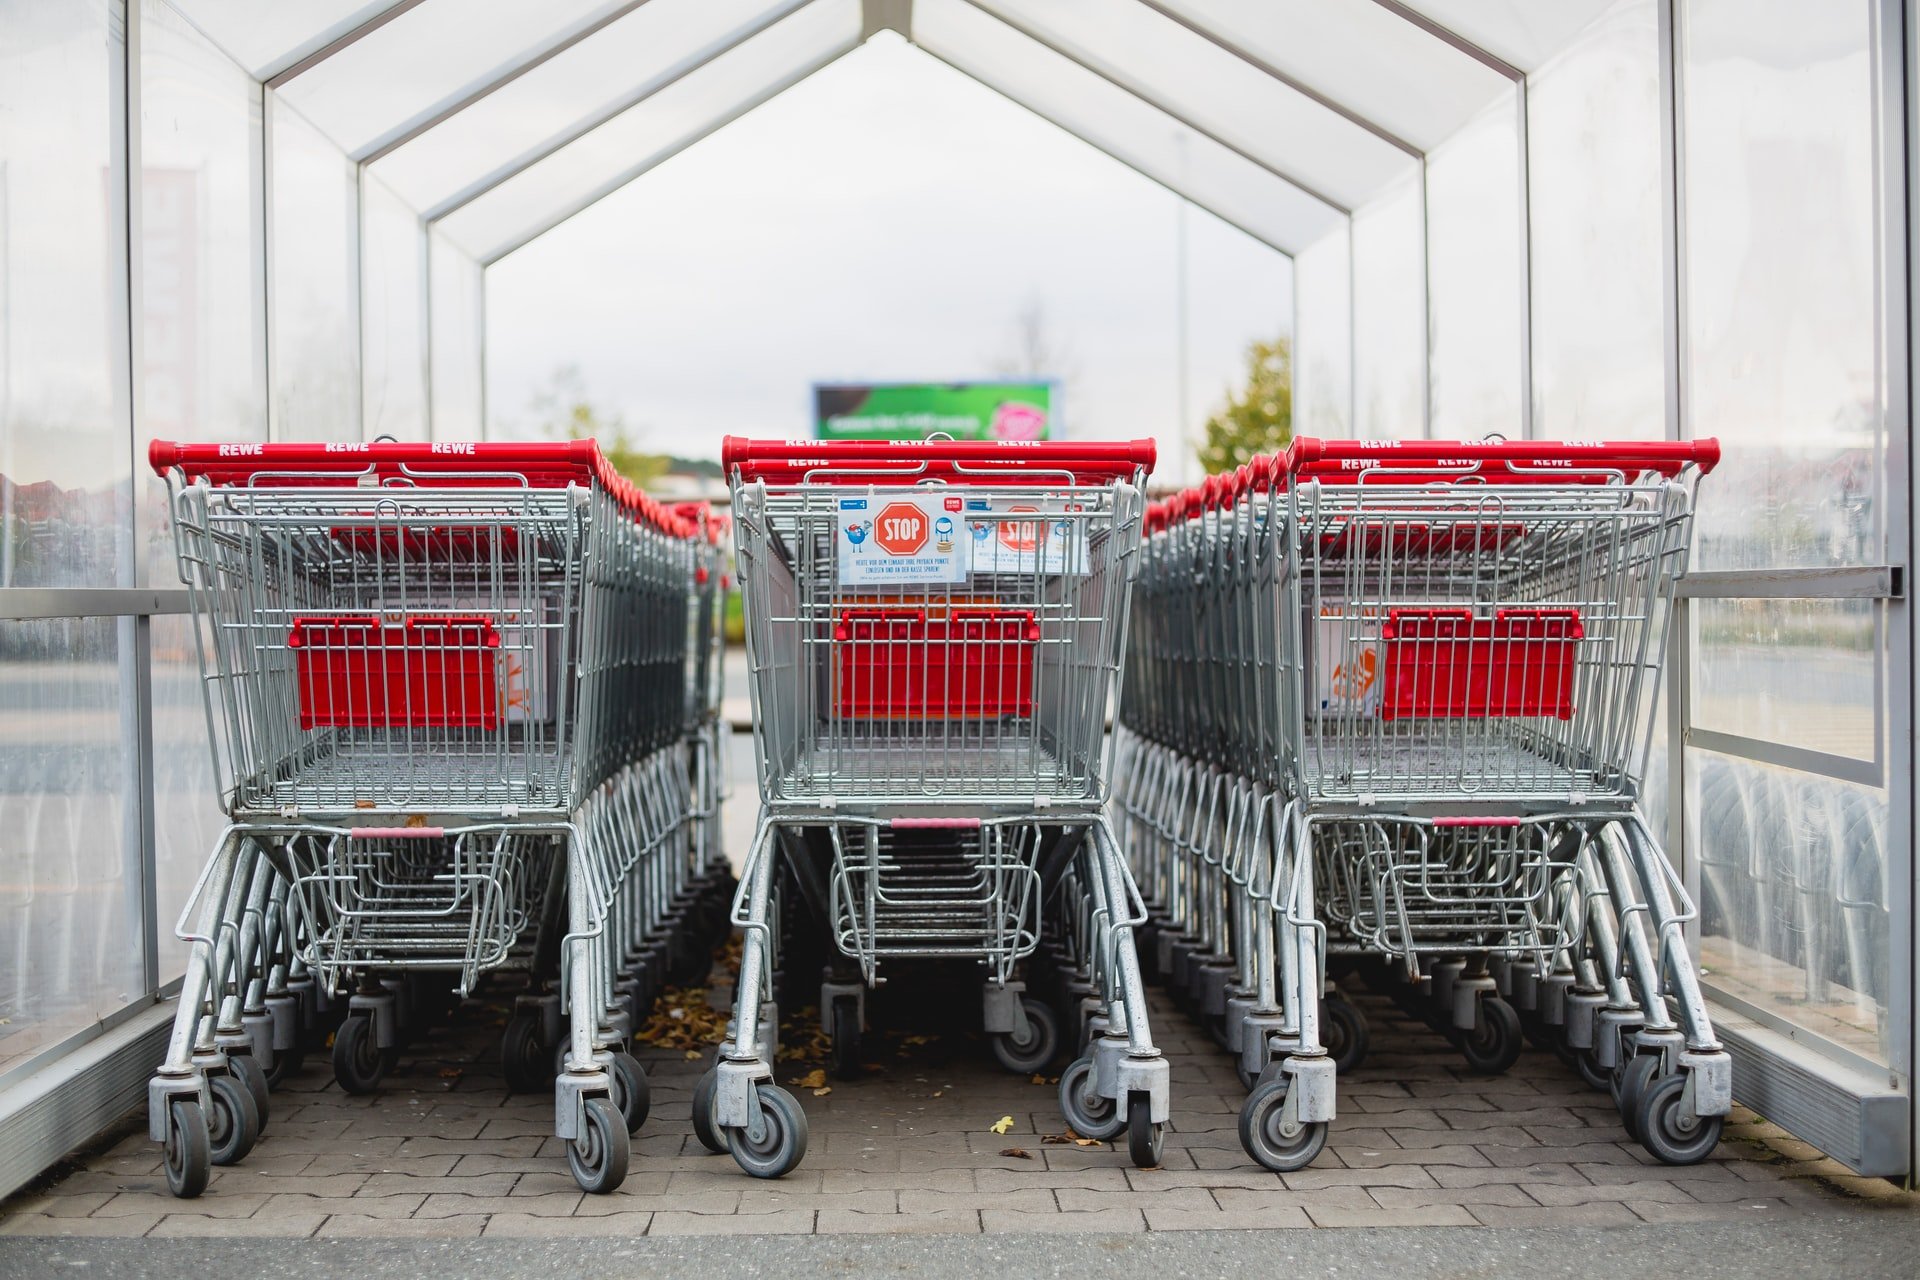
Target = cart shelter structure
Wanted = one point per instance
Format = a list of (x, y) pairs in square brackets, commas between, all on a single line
[(228, 220)]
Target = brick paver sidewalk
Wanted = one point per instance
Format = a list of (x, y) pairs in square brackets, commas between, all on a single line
[(445, 1151)]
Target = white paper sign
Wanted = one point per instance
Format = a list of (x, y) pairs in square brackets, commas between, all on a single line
[(910, 539), (1019, 536)]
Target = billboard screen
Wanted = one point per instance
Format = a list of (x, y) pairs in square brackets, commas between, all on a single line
[(915, 410)]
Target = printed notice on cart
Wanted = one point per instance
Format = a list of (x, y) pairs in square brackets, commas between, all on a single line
[(1043, 536), (902, 540)]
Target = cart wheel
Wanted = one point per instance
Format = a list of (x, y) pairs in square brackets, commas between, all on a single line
[(1248, 1079), (1630, 1085), (359, 1064), (524, 1061), (598, 1157), (1495, 1041), (189, 1149), (1541, 1034), (1026, 1054), (1144, 1137), (632, 1097), (703, 1126), (1344, 1033), (286, 1064), (232, 1123), (1268, 1139), (845, 1030), (1588, 1068), (1095, 1117), (254, 1077), (782, 1142), (1673, 1138)]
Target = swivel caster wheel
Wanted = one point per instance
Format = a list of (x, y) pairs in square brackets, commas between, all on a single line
[(704, 1128), (627, 1082), (1144, 1137), (1090, 1117), (232, 1124), (781, 1141), (526, 1063), (598, 1157), (189, 1149), (286, 1064), (1670, 1135), (1629, 1084), (358, 1063), (1494, 1043), (1025, 1053), (1268, 1136), (844, 1027), (1344, 1033), (248, 1070)]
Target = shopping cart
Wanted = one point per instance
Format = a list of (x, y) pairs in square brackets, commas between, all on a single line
[(448, 690), (934, 631), (1436, 665)]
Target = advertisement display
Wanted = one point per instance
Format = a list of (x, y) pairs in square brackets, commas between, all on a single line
[(917, 410)]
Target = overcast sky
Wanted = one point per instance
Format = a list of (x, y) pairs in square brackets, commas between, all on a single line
[(888, 218)]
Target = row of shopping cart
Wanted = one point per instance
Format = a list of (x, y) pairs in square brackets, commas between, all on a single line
[(463, 705), (1388, 708)]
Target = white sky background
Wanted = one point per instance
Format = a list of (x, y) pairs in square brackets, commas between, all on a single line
[(887, 219)]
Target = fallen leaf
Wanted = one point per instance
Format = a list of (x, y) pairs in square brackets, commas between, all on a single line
[(693, 1055), (1017, 1153), (814, 1079), (451, 1073), (1038, 1079), (823, 1091), (1003, 1124), (937, 1092)]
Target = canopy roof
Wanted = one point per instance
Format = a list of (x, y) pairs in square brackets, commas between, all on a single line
[(498, 119)]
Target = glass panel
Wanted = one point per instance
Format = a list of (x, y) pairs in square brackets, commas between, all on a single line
[(65, 455), (1389, 317), (187, 814), (1323, 341), (393, 299), (1793, 671), (1126, 127), (314, 284), (203, 374), (1360, 55), (1795, 876), (426, 60), (1525, 33), (594, 80), (645, 135), (1473, 278), (1781, 282), (459, 332), (1232, 100), (267, 38), (1593, 158), (70, 902)]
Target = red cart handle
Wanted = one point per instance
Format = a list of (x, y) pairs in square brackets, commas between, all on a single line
[(865, 462), (1507, 461), (541, 464)]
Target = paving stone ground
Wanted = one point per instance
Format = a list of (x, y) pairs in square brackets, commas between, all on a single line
[(444, 1150)]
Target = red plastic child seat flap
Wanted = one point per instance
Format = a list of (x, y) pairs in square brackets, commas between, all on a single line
[(432, 671), (900, 664), (1448, 663)]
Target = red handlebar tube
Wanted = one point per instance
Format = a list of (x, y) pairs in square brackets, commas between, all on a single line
[(1507, 461), (864, 462), (541, 464)]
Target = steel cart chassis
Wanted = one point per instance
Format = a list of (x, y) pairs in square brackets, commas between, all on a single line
[(935, 631), (460, 720), (1391, 700)]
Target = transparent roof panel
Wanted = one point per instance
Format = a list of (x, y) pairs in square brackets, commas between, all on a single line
[(1123, 125), (1216, 93), (601, 161), (1359, 54), (568, 95), (268, 38), (1525, 33), (429, 59)]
